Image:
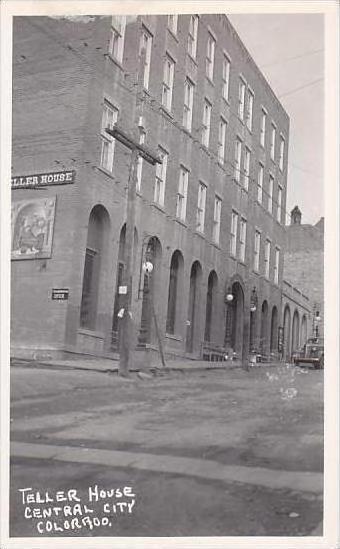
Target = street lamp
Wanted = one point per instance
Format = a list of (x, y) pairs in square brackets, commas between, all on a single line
[(228, 299), (253, 309), (228, 296)]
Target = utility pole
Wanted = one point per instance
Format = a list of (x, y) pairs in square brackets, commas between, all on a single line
[(126, 289)]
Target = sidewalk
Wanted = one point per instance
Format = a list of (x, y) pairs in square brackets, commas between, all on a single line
[(111, 365)]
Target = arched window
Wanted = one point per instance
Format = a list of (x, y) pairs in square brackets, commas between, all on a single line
[(176, 268), (211, 298), (274, 330), (91, 277)]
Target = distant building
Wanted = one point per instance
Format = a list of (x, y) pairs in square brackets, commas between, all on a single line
[(303, 266), (210, 217)]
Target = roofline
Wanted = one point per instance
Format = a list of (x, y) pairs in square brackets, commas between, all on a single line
[(260, 73)]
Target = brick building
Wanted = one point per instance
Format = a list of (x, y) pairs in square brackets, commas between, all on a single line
[(210, 217), (304, 265)]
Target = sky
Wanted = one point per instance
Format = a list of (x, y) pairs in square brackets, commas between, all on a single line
[(289, 50)]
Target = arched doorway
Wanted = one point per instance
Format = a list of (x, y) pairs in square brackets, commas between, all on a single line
[(237, 310), (295, 332), (303, 330), (211, 304), (151, 289), (274, 326), (264, 328), (286, 333), (194, 300), (94, 256), (175, 292), (119, 282)]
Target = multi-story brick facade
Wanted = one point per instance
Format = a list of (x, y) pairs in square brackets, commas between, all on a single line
[(209, 218), (304, 265)]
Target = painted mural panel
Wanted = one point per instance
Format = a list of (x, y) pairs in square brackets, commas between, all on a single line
[(32, 228)]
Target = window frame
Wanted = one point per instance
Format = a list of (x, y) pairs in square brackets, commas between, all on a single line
[(188, 108), (221, 140), (279, 203), (241, 98), (267, 258), (242, 239), (119, 34), (217, 219), (260, 179), (276, 265), (193, 36), (210, 57), (201, 206), (233, 235), (257, 252), (182, 193), (263, 126), (226, 77), (168, 86), (282, 152), (173, 23), (238, 158), (271, 182), (246, 167), (206, 124), (148, 50), (160, 178), (250, 110), (273, 130), (107, 140)]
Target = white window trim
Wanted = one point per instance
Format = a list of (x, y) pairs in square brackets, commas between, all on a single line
[(250, 115), (267, 260), (242, 239), (120, 33), (256, 262), (106, 139), (279, 203), (270, 193), (200, 212), (246, 167), (242, 98), (167, 87), (221, 140), (160, 179), (188, 109), (217, 219), (175, 26), (182, 194), (273, 142), (233, 236), (277, 264), (210, 57), (282, 152), (264, 116), (147, 64), (226, 83), (193, 36), (206, 124), (238, 159), (260, 187)]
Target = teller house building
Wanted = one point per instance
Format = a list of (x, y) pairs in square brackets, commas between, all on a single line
[(209, 216)]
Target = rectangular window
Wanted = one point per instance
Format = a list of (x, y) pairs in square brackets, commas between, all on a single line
[(276, 265), (250, 106), (246, 168), (217, 220), (145, 43), (263, 128), (188, 104), (257, 248), (209, 62), (182, 194), (160, 178), (109, 118), (168, 82), (225, 77), (279, 204), (270, 194), (192, 37), (272, 142), (233, 233), (206, 123), (260, 184), (238, 152), (139, 168), (282, 153), (243, 236), (172, 23), (267, 258), (116, 45), (241, 98), (202, 193), (222, 129)]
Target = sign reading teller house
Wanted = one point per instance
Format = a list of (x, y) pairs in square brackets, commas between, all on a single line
[(43, 179)]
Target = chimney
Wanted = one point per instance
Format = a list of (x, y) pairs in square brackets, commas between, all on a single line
[(295, 216)]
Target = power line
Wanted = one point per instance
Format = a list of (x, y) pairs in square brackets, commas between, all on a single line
[(307, 85), (300, 56)]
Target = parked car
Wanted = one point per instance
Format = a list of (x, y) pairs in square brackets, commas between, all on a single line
[(311, 353)]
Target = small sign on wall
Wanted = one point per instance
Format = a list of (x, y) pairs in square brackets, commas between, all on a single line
[(60, 294)]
